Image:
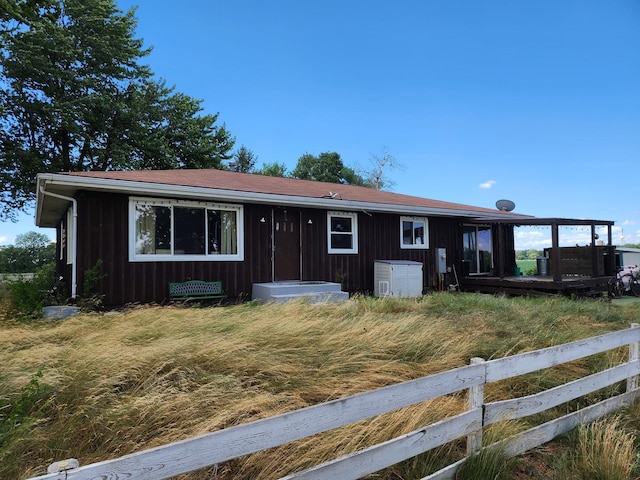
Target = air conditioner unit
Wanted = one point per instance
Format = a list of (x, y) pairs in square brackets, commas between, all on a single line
[(397, 278)]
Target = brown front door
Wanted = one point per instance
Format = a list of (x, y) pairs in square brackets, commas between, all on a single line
[(286, 244)]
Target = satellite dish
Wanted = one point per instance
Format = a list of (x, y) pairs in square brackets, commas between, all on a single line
[(505, 205)]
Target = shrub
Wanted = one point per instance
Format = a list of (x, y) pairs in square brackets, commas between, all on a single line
[(18, 414), (27, 297), (91, 299), (24, 299)]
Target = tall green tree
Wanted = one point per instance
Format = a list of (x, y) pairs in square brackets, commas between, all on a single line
[(327, 167), (32, 241), (14, 13), (274, 169), (75, 96), (244, 160)]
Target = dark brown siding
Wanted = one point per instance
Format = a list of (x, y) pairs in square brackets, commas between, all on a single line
[(103, 235), (379, 239)]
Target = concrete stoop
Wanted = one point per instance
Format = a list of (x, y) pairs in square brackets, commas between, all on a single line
[(314, 292)]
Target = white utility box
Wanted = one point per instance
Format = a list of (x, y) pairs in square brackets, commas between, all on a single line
[(397, 278)]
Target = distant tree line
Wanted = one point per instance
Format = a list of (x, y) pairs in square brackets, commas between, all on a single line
[(31, 251), (325, 167), (530, 254)]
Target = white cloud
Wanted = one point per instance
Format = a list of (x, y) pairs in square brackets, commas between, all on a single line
[(539, 237), (536, 238), (487, 184)]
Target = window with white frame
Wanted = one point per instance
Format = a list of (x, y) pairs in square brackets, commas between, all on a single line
[(342, 232), (179, 230), (414, 232)]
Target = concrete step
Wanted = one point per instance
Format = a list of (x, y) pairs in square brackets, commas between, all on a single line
[(313, 291), (317, 297)]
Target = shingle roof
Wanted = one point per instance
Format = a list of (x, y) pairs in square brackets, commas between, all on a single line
[(245, 182), (223, 185)]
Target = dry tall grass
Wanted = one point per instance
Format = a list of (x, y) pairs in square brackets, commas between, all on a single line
[(604, 452), (125, 381), (491, 463)]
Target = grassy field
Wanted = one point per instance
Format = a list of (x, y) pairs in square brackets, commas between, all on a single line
[(99, 386), (527, 266)]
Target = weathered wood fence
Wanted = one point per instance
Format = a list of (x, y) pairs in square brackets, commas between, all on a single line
[(217, 447)]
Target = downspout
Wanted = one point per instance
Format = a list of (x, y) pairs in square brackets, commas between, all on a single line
[(74, 256)]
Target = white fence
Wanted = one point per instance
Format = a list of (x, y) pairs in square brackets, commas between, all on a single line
[(217, 447)]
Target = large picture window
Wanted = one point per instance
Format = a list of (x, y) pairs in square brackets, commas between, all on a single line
[(414, 232), (478, 250), (175, 230), (342, 232)]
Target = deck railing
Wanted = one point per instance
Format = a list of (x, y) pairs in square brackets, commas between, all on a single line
[(220, 446), (590, 261)]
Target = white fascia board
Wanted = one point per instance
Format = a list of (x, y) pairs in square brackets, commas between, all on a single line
[(40, 185), (137, 188), (38, 199)]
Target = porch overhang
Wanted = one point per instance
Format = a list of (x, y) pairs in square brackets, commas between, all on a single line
[(523, 221), (600, 258)]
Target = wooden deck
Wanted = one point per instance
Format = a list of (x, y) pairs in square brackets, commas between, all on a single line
[(536, 285), (573, 270)]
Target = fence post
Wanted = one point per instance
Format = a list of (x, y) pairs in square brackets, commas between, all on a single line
[(63, 466), (476, 400), (634, 354)]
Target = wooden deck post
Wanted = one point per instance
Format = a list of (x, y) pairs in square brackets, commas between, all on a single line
[(594, 253), (501, 252), (476, 400), (63, 466), (634, 354), (609, 236), (556, 259)]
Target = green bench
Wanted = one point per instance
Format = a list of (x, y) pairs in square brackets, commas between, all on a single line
[(195, 290)]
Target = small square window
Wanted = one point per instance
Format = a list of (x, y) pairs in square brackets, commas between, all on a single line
[(414, 232), (342, 232)]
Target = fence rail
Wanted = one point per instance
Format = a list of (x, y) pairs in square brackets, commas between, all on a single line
[(217, 447)]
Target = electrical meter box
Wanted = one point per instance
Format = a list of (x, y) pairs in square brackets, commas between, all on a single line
[(441, 260), (397, 278)]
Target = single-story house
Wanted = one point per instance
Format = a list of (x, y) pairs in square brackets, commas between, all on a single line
[(153, 227)]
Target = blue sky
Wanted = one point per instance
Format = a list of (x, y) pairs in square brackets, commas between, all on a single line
[(537, 102)]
